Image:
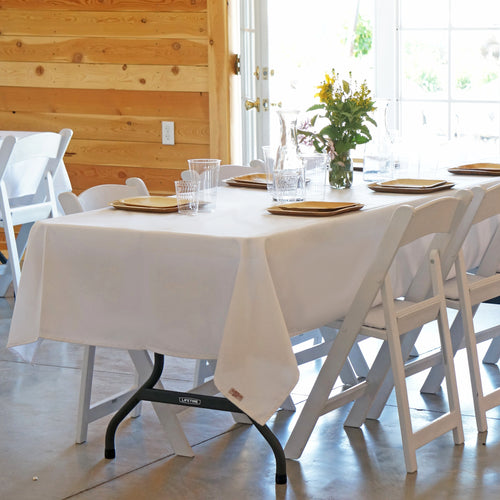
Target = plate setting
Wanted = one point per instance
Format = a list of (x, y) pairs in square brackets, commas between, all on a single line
[(314, 208), (410, 186), (477, 169), (155, 204)]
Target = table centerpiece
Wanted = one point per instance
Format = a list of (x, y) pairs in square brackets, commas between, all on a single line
[(344, 110)]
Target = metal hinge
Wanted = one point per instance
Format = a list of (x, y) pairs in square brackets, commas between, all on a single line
[(237, 64)]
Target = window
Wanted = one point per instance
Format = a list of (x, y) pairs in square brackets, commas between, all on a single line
[(436, 61), (448, 73)]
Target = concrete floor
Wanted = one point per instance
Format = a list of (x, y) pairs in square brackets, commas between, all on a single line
[(40, 460)]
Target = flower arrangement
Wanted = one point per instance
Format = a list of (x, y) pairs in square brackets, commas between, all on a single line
[(345, 107)]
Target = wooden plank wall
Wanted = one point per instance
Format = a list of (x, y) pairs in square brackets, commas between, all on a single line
[(112, 70)]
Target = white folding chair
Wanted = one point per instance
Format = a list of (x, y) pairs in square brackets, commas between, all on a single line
[(27, 168), (465, 293), (422, 303), (92, 199), (100, 196)]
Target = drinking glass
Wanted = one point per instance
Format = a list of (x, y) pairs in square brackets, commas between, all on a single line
[(187, 193), (208, 175), (316, 169), (289, 184)]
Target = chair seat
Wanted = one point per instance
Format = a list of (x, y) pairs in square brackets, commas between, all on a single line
[(480, 288), (375, 318)]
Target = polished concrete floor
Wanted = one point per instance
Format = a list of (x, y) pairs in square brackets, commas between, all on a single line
[(40, 460)]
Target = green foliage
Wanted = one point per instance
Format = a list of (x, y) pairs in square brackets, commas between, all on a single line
[(464, 82), (363, 38), (345, 109), (429, 81)]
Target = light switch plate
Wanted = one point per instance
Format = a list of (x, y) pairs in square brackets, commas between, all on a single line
[(167, 133)]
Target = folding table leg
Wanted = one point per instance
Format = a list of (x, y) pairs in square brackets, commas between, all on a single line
[(147, 392), (165, 413)]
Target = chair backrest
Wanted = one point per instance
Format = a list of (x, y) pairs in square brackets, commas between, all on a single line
[(25, 162), (439, 217), (489, 208), (100, 196)]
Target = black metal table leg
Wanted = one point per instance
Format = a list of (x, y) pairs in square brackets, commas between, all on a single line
[(109, 450), (147, 393)]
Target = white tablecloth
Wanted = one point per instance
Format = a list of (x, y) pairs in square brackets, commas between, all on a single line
[(234, 284)]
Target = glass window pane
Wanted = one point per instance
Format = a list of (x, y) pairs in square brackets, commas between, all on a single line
[(303, 46), (424, 64), (479, 13), (425, 120), (475, 65), (415, 14), (480, 122)]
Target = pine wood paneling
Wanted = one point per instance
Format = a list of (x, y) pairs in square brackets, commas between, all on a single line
[(137, 154), (160, 180), (110, 127), (96, 76), (99, 22), (104, 50), (123, 5), (108, 101), (112, 70)]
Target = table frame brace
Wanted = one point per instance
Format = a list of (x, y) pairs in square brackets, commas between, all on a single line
[(147, 393)]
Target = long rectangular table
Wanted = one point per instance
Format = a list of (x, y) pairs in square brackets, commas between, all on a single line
[(231, 285)]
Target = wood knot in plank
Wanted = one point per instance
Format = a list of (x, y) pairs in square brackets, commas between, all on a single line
[(77, 57), (175, 70), (19, 44), (39, 70), (176, 46)]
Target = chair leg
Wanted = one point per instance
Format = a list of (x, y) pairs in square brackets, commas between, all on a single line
[(319, 394), (83, 417), (383, 393), (13, 261), (347, 374), (374, 380), (493, 353), (435, 376), (358, 361), (398, 370), (204, 368), (450, 376)]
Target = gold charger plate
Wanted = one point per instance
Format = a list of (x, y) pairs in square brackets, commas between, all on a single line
[(255, 178), (283, 210), (150, 201), (413, 183), (375, 186), (316, 206), (152, 204), (477, 169), (253, 185)]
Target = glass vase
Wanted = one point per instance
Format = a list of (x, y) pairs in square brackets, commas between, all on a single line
[(341, 171), (287, 155)]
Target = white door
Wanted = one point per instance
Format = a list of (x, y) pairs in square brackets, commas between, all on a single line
[(254, 78), (287, 46)]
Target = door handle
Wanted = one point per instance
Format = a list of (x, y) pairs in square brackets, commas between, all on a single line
[(249, 104)]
